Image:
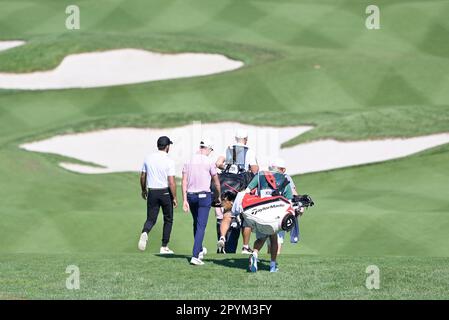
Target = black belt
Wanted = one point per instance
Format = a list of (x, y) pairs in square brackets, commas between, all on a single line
[(201, 192), (157, 189)]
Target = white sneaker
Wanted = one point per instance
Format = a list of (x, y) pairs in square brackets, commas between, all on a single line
[(221, 243), (196, 261), (165, 250), (202, 253), (143, 241)]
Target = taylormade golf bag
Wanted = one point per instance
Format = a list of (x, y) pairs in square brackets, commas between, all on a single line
[(272, 214)]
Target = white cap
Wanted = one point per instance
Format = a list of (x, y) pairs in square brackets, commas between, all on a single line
[(205, 142), (241, 134), (278, 162)]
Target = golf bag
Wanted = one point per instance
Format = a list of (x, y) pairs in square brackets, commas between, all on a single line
[(234, 177), (268, 215), (272, 214)]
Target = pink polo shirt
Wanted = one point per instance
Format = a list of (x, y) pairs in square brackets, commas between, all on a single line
[(199, 172)]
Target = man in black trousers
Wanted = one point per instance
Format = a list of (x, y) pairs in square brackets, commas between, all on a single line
[(158, 184)]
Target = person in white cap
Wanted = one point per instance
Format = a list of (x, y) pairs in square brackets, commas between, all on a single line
[(266, 184), (278, 165), (244, 156), (238, 158), (196, 193)]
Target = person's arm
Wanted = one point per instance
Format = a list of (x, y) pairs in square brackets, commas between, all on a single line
[(253, 184), (220, 162), (172, 186), (254, 168), (143, 185), (185, 204), (288, 192), (292, 185), (217, 186)]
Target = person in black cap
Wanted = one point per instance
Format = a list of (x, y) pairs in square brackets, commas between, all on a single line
[(158, 184)]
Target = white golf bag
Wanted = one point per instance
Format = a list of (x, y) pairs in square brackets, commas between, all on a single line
[(268, 215)]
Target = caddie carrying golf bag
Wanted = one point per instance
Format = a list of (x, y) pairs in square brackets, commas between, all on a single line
[(271, 214), (234, 177)]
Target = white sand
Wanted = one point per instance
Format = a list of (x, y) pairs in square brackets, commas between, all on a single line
[(329, 154), (117, 67), (123, 149), (5, 45)]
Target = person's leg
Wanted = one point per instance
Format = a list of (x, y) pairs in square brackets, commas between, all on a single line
[(246, 235), (274, 246), (258, 244), (274, 252), (224, 227), (225, 223), (204, 205), (232, 240), (219, 235), (281, 235), (219, 216), (167, 210), (153, 207), (192, 199)]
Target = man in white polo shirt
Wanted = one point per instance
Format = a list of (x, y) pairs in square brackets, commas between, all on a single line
[(157, 181)]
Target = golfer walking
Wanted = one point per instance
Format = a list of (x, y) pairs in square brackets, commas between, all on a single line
[(196, 194), (245, 158), (157, 181)]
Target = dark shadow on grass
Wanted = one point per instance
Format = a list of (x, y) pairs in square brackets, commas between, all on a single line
[(236, 263), (239, 263), (174, 256)]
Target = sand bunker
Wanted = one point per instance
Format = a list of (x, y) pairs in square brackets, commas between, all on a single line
[(5, 45), (123, 149), (118, 67)]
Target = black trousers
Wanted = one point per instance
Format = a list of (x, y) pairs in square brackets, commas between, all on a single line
[(158, 198)]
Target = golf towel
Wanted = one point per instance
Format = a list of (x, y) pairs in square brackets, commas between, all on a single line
[(294, 233)]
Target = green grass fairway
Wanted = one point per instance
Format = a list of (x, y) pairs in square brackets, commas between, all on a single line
[(147, 276), (306, 62)]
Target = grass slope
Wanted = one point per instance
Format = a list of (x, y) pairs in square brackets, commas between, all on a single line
[(307, 62)]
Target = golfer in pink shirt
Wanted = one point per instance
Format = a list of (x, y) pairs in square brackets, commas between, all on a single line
[(196, 194)]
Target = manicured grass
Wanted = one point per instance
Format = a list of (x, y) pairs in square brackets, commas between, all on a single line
[(369, 83), (307, 62), (148, 276)]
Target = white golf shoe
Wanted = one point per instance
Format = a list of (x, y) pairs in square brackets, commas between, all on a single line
[(202, 253), (165, 250), (246, 250), (143, 241), (221, 243), (196, 261)]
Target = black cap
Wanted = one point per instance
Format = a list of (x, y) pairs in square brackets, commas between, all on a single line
[(164, 141)]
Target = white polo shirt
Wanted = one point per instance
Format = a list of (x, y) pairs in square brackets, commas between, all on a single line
[(158, 167)]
